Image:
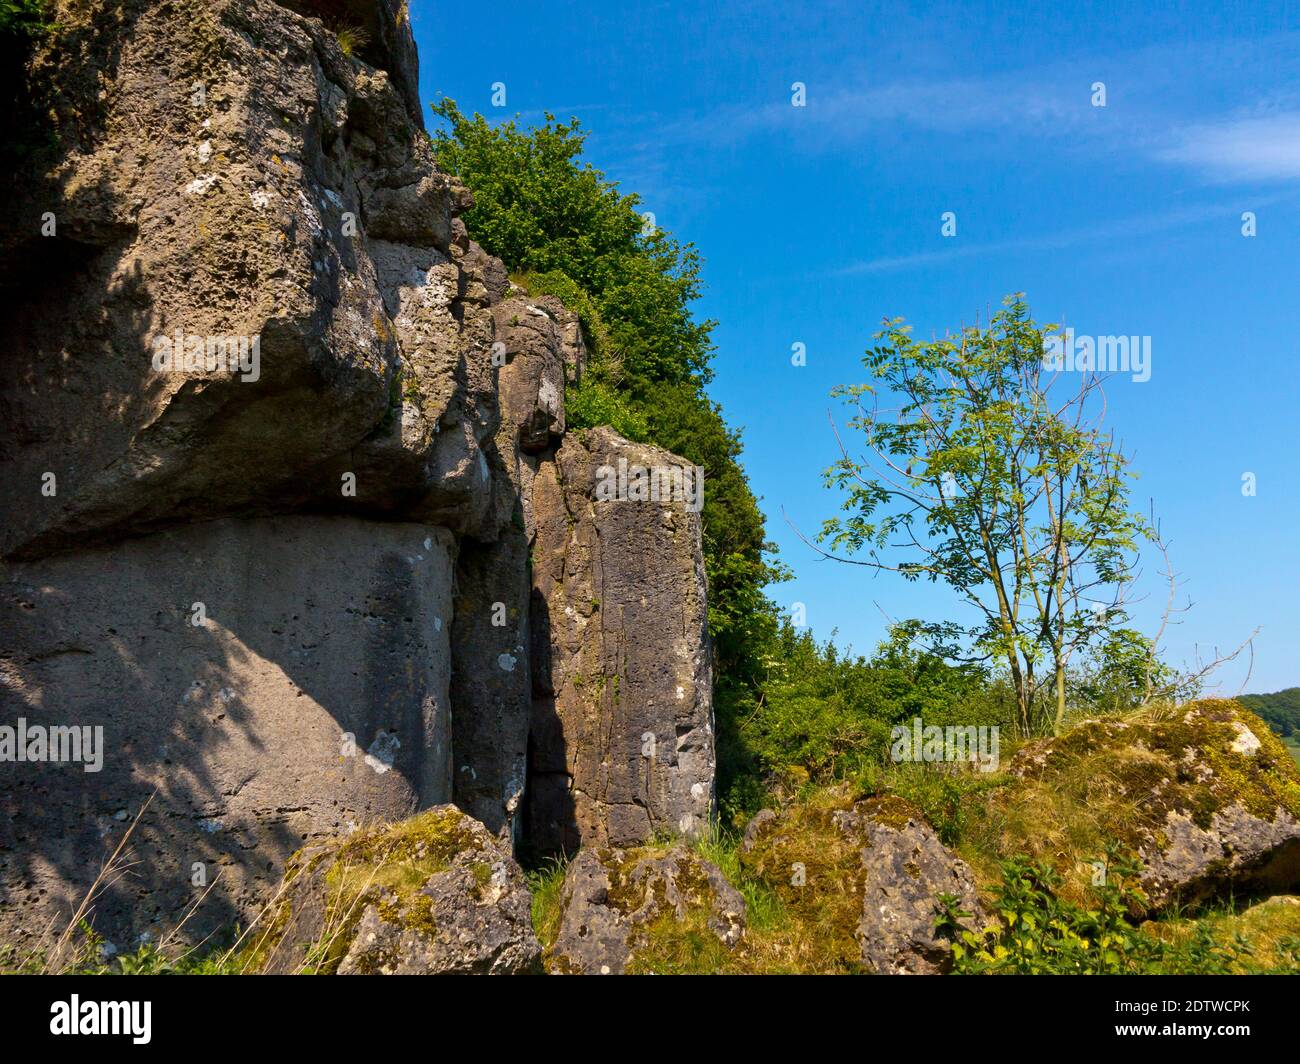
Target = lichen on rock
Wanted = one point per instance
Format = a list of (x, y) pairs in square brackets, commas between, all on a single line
[(868, 875)]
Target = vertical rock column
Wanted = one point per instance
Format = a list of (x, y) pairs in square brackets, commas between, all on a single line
[(622, 731), (491, 684)]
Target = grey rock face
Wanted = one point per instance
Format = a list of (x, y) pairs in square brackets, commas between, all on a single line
[(434, 895), (388, 43), (622, 729), (492, 641), (610, 896), (350, 510), (906, 868), (311, 696), (532, 385), (1235, 850), (492, 681)]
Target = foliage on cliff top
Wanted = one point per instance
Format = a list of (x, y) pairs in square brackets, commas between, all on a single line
[(539, 208)]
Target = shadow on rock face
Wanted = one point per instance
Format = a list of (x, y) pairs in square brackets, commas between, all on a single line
[(311, 698)]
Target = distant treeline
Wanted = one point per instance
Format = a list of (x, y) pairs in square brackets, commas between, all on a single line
[(1281, 710)]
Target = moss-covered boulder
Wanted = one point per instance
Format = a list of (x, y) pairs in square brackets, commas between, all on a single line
[(869, 875), (646, 910), (433, 894), (1206, 797)]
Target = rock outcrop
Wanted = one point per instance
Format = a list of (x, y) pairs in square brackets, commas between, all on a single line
[(614, 903), (1207, 799), (434, 895), (286, 193), (293, 512), (493, 645)]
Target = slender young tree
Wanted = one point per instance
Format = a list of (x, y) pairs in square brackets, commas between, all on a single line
[(993, 474)]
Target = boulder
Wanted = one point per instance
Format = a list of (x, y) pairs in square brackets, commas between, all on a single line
[(617, 907), (436, 894), (1207, 797), (905, 870), (868, 876), (532, 384)]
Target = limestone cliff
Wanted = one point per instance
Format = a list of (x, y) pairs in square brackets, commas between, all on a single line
[(291, 509)]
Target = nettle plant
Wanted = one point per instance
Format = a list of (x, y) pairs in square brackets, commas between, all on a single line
[(993, 475), (1037, 933)]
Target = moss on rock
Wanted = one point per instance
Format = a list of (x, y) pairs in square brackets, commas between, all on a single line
[(1205, 797), (660, 909), (434, 893)]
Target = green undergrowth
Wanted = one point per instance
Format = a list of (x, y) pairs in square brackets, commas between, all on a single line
[(546, 884), (1040, 932)]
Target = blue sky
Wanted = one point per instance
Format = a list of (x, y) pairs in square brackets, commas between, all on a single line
[(817, 222)]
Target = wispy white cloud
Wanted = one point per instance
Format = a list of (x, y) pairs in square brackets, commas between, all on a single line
[(1114, 232), (1265, 148), (1152, 116), (844, 114)]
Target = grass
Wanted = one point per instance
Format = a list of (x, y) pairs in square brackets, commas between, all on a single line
[(352, 40), (546, 883), (1265, 935), (763, 907)]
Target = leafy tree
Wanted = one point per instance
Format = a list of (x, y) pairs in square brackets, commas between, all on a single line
[(984, 480)]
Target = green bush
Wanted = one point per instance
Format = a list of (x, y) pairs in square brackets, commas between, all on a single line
[(593, 403), (23, 18), (824, 715)]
